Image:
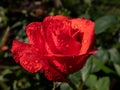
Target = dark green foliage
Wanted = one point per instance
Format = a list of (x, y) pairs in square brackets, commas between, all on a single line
[(102, 70)]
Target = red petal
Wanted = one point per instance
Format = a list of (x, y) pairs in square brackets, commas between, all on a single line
[(86, 28), (63, 44), (57, 24), (52, 73), (58, 36), (35, 34), (68, 65), (28, 56), (57, 17), (66, 45), (31, 61), (18, 49)]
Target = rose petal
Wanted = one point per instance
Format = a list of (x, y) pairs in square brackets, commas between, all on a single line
[(52, 73), (68, 65), (58, 36), (63, 44), (57, 17), (28, 55), (59, 46), (18, 49), (35, 34), (31, 62), (66, 45), (86, 28), (57, 25)]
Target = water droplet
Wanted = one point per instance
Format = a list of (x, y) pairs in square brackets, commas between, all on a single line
[(36, 61), (25, 62), (58, 40), (70, 66), (50, 23), (37, 66), (62, 40), (75, 27), (85, 41), (58, 32), (67, 45)]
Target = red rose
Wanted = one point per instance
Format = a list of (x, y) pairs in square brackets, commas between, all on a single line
[(58, 46)]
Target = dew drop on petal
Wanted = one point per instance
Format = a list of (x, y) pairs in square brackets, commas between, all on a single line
[(67, 45), (37, 66), (62, 40), (85, 41), (36, 61), (75, 27), (25, 62), (50, 23), (70, 66)]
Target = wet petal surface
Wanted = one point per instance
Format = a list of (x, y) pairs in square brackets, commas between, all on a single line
[(86, 28), (35, 34), (28, 56)]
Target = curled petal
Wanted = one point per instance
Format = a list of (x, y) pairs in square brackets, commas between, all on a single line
[(58, 36), (66, 45), (18, 49), (63, 44), (35, 34), (27, 55), (86, 29)]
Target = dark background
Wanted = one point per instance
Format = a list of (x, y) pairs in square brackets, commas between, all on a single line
[(101, 72)]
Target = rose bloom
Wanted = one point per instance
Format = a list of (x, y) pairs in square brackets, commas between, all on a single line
[(58, 46)]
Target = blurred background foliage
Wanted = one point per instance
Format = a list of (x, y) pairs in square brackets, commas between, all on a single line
[(102, 70)]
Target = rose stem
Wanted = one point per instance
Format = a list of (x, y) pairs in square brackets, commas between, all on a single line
[(71, 84)]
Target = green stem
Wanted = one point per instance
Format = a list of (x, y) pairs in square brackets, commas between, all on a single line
[(71, 84), (80, 86)]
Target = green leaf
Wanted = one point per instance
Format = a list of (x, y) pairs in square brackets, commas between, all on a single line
[(3, 21), (103, 67), (101, 55), (3, 17), (114, 55), (91, 81), (16, 24), (103, 84), (75, 77), (117, 68), (88, 2), (65, 86), (6, 71), (2, 11), (103, 23), (86, 69)]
